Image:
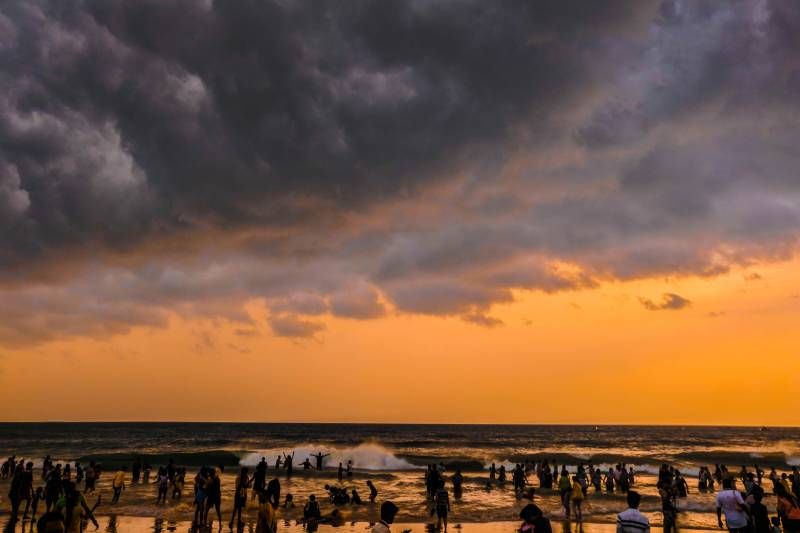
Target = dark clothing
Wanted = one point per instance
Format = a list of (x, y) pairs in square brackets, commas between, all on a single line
[(274, 492), (312, 511), (214, 491), (761, 523)]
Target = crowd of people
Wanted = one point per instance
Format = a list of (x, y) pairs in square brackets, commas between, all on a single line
[(64, 489)]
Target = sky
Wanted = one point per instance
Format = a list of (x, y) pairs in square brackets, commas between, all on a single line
[(400, 211)]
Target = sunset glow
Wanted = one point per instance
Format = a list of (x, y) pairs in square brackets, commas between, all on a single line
[(256, 211)]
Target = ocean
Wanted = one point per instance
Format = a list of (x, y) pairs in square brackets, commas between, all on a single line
[(406, 446), (394, 458)]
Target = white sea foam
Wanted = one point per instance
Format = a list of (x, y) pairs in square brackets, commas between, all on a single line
[(365, 456)]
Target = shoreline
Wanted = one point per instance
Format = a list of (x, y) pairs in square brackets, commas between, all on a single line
[(125, 523)]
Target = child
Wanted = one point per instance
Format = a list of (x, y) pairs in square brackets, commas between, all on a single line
[(38, 495), (577, 498), (288, 503), (311, 510)]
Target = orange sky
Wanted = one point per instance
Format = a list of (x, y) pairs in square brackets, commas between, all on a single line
[(539, 212), (588, 356)]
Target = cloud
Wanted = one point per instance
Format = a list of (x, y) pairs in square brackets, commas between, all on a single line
[(357, 301), (669, 301), (119, 131), (286, 325), (483, 320), (396, 159)]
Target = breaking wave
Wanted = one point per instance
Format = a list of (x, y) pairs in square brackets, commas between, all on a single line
[(365, 456)]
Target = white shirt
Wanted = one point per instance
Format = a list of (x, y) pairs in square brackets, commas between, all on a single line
[(380, 527), (731, 502), (632, 521)]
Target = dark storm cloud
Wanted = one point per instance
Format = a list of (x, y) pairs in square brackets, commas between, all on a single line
[(354, 159), (125, 119)]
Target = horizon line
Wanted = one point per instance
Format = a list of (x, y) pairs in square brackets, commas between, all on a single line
[(331, 423)]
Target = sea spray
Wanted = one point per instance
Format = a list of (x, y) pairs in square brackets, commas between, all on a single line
[(365, 456)]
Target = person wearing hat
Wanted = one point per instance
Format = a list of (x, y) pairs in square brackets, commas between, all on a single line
[(388, 512)]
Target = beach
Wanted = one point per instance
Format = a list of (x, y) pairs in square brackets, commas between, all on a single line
[(393, 459), (132, 524), (406, 489)]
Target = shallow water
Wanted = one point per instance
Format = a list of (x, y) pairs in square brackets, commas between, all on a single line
[(131, 524), (393, 457), (401, 446), (407, 490)]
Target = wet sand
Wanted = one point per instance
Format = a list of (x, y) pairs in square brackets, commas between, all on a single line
[(406, 489), (132, 524)]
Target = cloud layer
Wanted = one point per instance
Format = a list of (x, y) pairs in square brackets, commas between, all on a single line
[(420, 157)]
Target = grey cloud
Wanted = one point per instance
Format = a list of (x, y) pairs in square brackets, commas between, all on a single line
[(288, 325), (434, 162), (128, 119), (483, 320), (445, 296), (357, 301), (669, 301)]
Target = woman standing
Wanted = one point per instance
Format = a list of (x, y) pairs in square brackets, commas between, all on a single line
[(240, 496), (577, 498), (564, 489), (200, 483), (788, 509)]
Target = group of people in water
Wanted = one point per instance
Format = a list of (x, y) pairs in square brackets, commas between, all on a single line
[(66, 507)]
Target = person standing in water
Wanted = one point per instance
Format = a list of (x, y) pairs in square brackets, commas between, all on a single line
[(287, 461), (240, 496), (731, 503), (577, 498), (136, 471), (442, 502), (788, 508), (91, 473), (162, 485), (214, 495), (458, 481), (373, 492), (632, 520), (759, 514), (668, 510), (259, 480), (118, 484), (273, 493), (319, 456), (564, 489)]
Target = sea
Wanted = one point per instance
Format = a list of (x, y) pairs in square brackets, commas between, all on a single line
[(394, 457)]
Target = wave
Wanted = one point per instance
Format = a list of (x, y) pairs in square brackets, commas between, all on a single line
[(375, 456), (365, 456), (223, 458), (777, 458)]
